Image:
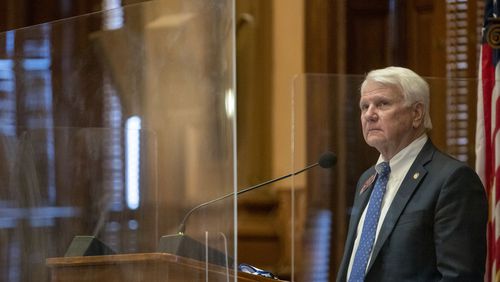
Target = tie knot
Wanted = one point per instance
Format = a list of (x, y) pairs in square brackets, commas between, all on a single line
[(384, 168)]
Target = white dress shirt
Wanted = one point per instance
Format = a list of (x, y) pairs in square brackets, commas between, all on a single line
[(400, 164)]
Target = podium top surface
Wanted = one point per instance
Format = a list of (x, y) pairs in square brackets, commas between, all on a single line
[(156, 264)]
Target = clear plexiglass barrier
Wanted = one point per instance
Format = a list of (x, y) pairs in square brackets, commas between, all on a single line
[(326, 118), (113, 127)]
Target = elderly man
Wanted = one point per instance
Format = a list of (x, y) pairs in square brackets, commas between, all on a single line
[(418, 214)]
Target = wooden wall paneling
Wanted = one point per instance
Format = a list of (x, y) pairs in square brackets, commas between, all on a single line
[(254, 66), (324, 24), (12, 14), (325, 189), (367, 35), (258, 240), (426, 37), (397, 36), (320, 57), (16, 14), (42, 12), (426, 43), (420, 36), (325, 50)]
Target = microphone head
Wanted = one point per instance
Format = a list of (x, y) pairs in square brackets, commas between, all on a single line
[(327, 160)]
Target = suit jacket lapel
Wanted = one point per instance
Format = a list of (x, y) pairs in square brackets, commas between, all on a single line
[(408, 186)]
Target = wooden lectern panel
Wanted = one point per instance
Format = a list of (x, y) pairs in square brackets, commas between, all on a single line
[(140, 267)]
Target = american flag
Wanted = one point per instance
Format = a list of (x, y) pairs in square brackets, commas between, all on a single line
[(487, 133)]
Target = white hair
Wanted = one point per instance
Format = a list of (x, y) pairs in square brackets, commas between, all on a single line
[(413, 87)]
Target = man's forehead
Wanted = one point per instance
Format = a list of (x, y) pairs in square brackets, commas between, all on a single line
[(373, 88)]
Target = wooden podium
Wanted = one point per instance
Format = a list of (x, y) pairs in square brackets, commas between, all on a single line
[(140, 267)]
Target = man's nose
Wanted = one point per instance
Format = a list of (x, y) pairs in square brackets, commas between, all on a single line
[(370, 113)]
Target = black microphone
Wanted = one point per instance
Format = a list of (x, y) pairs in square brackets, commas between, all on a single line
[(326, 160), (182, 245)]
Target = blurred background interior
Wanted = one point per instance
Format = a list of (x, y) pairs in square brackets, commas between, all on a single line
[(282, 47)]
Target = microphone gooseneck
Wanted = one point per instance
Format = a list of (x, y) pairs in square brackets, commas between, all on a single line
[(326, 160)]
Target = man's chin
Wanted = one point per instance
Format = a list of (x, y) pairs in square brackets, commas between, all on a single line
[(374, 142)]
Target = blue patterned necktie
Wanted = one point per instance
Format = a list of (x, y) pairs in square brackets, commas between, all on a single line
[(370, 225)]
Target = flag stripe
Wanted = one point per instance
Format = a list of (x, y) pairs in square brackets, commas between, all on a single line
[(488, 82), (485, 86)]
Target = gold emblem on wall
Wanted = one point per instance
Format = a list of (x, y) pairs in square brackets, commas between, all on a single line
[(493, 32)]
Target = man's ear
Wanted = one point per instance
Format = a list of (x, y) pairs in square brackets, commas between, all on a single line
[(418, 114)]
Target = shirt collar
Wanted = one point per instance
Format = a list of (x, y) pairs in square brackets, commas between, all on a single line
[(409, 152)]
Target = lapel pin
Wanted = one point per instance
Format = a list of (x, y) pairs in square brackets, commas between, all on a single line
[(416, 175), (367, 184)]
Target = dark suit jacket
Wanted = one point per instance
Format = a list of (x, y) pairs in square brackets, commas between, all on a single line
[(434, 230)]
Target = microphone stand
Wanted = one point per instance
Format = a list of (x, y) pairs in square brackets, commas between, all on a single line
[(182, 226), (182, 245)]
